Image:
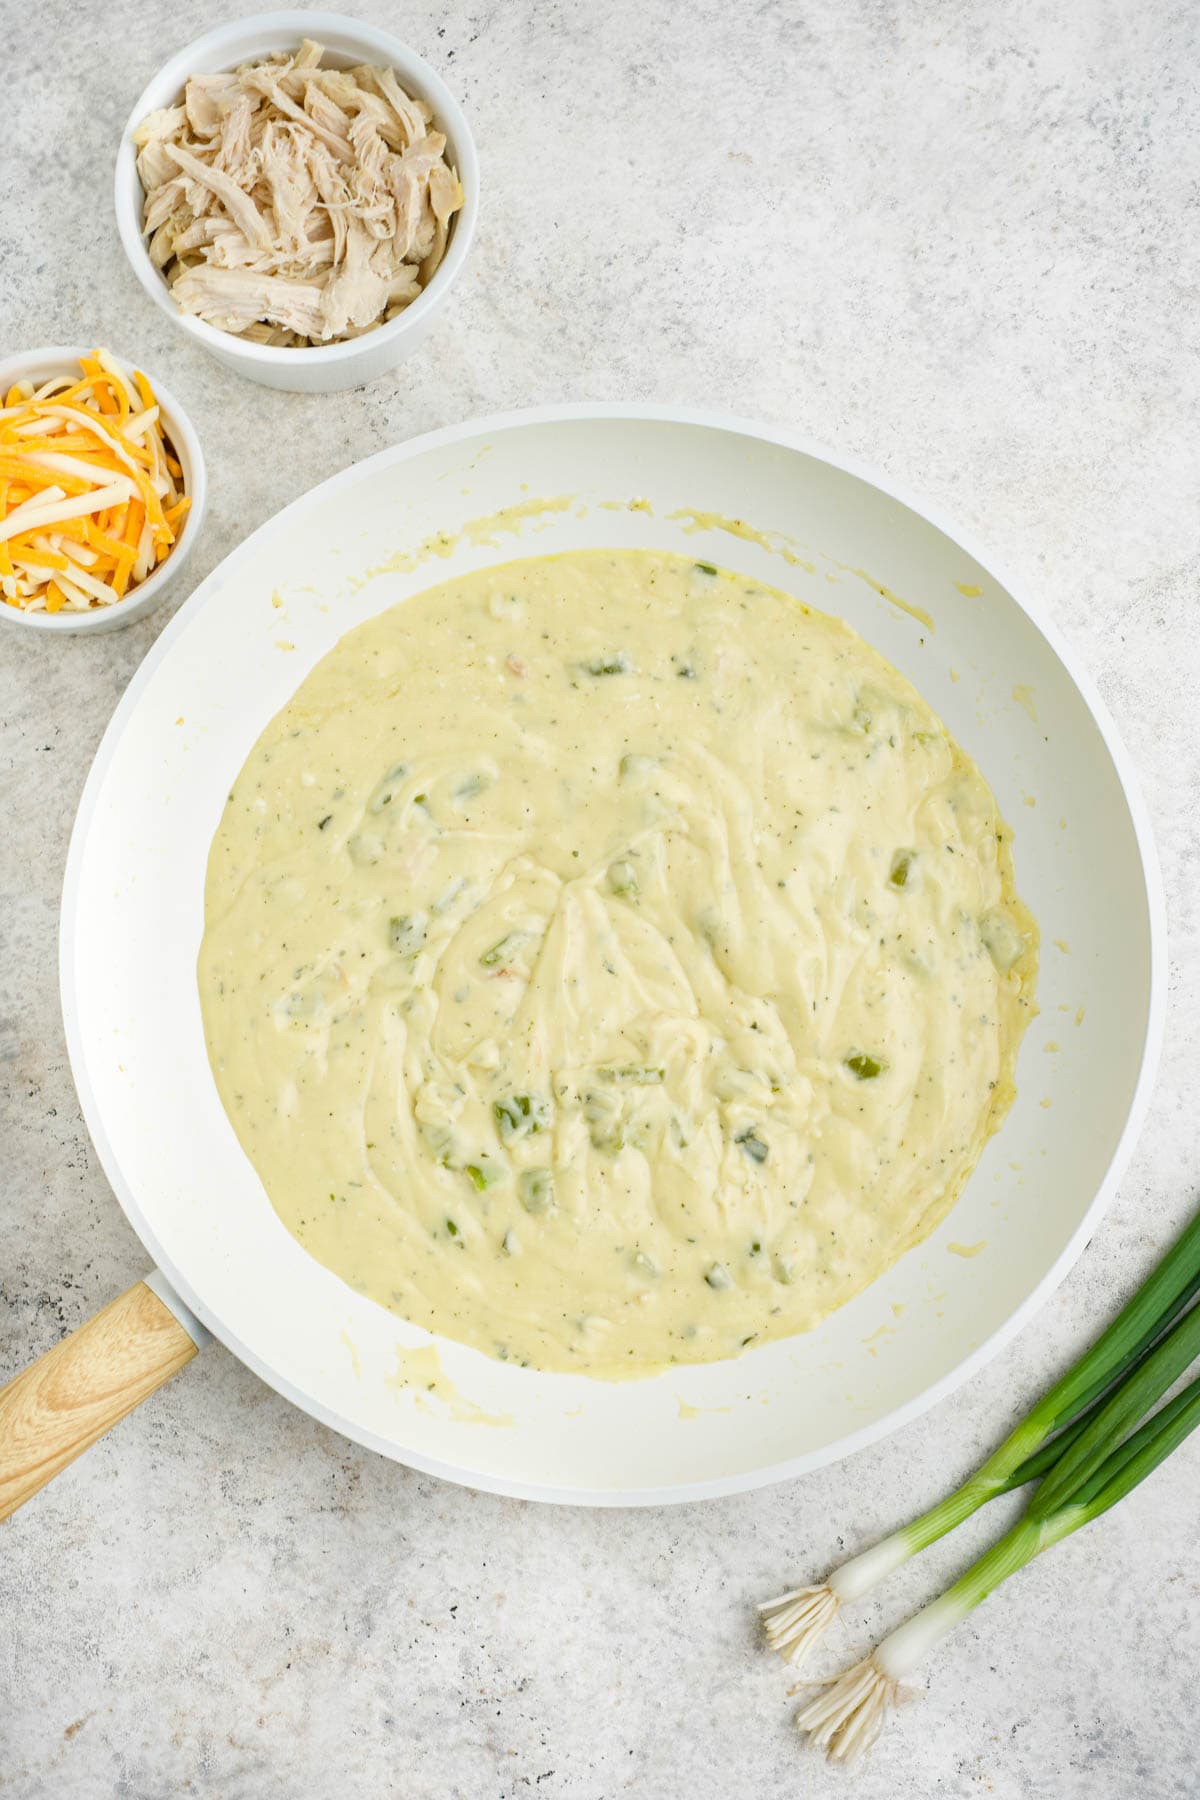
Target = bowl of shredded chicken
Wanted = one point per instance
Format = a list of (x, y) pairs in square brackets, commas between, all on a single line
[(289, 203)]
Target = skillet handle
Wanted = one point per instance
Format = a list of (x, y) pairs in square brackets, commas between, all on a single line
[(81, 1387)]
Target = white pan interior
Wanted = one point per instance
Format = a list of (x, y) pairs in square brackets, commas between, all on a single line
[(133, 914)]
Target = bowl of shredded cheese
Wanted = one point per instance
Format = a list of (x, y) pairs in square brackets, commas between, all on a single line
[(102, 490)]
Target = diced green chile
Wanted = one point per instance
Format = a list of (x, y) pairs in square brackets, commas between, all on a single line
[(632, 1077), (633, 765), (865, 1067), (901, 867), (440, 1138), (1001, 939), (602, 1110), (386, 792), (305, 1003), (484, 1174), (622, 876), (504, 951), (406, 933), (449, 894), (365, 849), (520, 1115), (536, 1189), (753, 1145)]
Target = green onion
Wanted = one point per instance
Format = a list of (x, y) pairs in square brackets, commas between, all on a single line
[(1066, 1410), (1130, 1402), (1082, 1440), (848, 1716), (865, 1067)]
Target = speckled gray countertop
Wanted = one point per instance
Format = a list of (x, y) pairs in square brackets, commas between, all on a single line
[(958, 240)]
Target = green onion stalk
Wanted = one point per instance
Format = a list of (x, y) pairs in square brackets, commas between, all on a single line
[(1075, 1443)]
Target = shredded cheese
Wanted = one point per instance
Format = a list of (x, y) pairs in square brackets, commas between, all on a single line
[(91, 493)]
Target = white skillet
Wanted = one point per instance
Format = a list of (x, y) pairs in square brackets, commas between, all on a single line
[(132, 918)]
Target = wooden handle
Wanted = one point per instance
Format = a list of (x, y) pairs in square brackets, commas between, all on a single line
[(73, 1394)]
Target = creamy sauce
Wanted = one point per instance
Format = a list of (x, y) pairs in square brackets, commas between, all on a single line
[(421, 1373), (774, 541), (486, 530), (610, 962)]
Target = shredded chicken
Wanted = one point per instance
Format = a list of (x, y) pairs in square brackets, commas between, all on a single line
[(293, 204)]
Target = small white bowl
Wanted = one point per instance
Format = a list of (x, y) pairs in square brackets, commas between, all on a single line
[(347, 42), (38, 366)]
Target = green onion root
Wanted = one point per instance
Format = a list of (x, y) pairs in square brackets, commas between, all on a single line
[(795, 1623), (847, 1717)]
